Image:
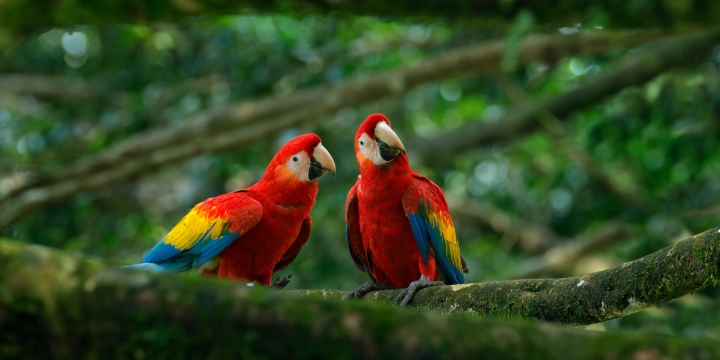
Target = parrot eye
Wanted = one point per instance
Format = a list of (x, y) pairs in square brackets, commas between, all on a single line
[(362, 143), (295, 159)]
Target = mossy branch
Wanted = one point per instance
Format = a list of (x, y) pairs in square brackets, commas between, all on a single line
[(687, 266), (53, 305)]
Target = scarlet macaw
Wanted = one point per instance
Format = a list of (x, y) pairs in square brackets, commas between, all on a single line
[(398, 225), (250, 233)]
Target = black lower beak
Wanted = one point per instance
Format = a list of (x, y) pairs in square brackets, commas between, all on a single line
[(315, 170), (387, 152)]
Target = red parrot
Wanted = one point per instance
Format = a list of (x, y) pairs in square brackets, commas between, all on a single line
[(398, 225), (250, 233)]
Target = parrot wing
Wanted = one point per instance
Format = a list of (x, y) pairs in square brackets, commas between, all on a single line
[(209, 228), (432, 226), (352, 232), (292, 252)]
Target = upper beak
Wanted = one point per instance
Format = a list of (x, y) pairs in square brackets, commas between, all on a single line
[(390, 144), (320, 162)]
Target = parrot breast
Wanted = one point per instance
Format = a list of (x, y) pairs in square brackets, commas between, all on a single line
[(253, 256), (387, 235)]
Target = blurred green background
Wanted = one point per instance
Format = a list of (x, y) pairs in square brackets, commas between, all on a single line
[(647, 158)]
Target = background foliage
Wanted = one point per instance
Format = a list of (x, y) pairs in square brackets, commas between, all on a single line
[(654, 147)]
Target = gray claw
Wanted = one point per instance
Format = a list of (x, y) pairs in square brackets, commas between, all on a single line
[(407, 295), (364, 289), (282, 283)]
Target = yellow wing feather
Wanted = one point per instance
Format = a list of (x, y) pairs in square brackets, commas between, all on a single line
[(445, 226), (191, 229)]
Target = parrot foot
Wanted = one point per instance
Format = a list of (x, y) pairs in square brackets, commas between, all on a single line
[(282, 283), (366, 288), (407, 295)]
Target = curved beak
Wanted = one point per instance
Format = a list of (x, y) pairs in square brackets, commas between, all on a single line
[(320, 162), (389, 142)]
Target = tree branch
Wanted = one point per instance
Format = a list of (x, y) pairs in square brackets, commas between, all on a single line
[(633, 71), (559, 254), (62, 88), (53, 305), (573, 151), (531, 238), (687, 266), (237, 125), (46, 86), (560, 259), (711, 212)]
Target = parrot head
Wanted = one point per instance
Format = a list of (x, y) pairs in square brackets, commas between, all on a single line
[(303, 158), (376, 142)]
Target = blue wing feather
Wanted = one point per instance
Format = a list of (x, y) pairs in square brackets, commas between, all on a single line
[(419, 227), (161, 252), (212, 248), (169, 258)]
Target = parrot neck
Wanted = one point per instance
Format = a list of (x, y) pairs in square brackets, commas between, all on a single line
[(292, 194), (394, 174)]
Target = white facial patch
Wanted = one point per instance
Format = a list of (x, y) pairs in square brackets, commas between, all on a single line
[(299, 164), (370, 150)]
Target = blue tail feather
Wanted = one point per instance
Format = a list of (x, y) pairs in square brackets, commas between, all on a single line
[(164, 267), (180, 263)]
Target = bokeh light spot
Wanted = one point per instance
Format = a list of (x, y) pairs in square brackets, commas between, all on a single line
[(74, 43), (450, 90)]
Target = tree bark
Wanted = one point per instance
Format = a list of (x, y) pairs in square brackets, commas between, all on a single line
[(239, 124), (53, 305), (687, 266)]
